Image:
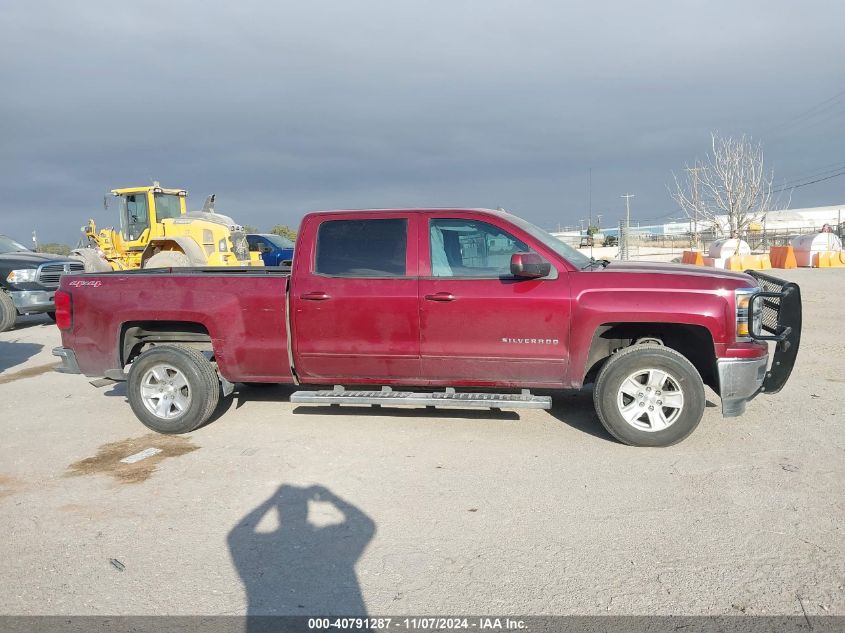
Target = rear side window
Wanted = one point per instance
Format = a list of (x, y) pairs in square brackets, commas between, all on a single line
[(362, 248)]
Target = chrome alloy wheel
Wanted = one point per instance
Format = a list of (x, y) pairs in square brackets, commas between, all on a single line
[(650, 400), (165, 392)]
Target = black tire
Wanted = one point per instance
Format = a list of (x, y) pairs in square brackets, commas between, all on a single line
[(201, 381), (8, 312), (683, 377), (51, 315), (168, 259), (91, 260)]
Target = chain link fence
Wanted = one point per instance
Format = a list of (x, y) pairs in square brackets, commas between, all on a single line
[(636, 243)]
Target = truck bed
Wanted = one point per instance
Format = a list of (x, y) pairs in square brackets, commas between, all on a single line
[(242, 310)]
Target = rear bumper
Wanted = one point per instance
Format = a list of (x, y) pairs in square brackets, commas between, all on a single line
[(69, 364), (740, 379), (33, 300)]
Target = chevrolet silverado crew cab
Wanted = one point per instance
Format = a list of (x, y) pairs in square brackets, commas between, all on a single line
[(28, 281), (437, 307)]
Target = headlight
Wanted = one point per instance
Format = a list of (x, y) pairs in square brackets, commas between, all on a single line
[(757, 318), (223, 246), (743, 300), (22, 276)]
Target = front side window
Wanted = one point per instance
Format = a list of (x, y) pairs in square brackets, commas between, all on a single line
[(167, 206), (362, 248), (471, 248), (134, 219)]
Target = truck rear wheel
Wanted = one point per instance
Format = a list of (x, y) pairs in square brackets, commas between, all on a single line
[(8, 312), (173, 389), (649, 395), (168, 259)]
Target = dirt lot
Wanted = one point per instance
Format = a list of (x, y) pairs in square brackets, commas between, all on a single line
[(280, 509)]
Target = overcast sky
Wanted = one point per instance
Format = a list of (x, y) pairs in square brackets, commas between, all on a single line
[(287, 107)]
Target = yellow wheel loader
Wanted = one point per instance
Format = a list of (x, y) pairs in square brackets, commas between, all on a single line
[(157, 231)]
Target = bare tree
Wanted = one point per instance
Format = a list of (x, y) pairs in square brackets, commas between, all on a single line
[(727, 190)]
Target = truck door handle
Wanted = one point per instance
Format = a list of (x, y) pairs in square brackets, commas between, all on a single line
[(441, 296), (314, 296)]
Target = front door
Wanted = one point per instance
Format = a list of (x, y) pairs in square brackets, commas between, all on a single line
[(355, 313), (478, 324)]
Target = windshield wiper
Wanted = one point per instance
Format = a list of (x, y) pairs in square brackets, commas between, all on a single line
[(596, 262)]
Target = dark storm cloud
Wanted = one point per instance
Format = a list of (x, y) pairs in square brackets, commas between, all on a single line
[(282, 108)]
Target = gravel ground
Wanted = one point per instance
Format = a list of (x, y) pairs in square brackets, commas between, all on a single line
[(274, 508)]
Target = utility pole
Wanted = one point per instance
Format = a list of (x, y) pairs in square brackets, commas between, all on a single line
[(34, 241), (590, 206), (623, 239), (627, 197), (695, 203)]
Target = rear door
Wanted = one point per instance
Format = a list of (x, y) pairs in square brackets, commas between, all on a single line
[(354, 299), (480, 325)]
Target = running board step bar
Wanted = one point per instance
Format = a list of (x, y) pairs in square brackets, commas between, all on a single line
[(447, 398)]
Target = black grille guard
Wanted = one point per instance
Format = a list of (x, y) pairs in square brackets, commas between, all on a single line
[(781, 323)]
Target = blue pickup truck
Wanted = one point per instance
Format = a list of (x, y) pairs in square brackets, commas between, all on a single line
[(275, 250)]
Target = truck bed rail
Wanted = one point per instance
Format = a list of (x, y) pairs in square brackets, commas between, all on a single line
[(252, 271)]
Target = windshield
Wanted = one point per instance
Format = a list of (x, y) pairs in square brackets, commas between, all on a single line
[(167, 206), (579, 260), (11, 246), (278, 241)]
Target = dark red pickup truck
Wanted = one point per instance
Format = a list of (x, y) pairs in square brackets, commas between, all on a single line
[(471, 299)]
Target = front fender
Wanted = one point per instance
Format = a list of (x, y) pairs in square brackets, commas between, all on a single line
[(595, 308)]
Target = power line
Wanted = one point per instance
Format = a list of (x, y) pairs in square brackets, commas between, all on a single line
[(812, 182), (821, 170), (811, 124), (820, 108), (799, 181), (811, 109)]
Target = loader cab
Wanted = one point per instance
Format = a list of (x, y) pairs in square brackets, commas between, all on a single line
[(141, 210)]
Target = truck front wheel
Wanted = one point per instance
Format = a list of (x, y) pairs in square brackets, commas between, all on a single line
[(649, 395), (8, 312), (172, 389)]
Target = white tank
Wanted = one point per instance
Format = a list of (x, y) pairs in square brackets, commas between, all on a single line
[(805, 246), (728, 247), (816, 242)]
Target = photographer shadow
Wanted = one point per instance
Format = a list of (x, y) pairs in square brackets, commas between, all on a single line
[(297, 567)]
